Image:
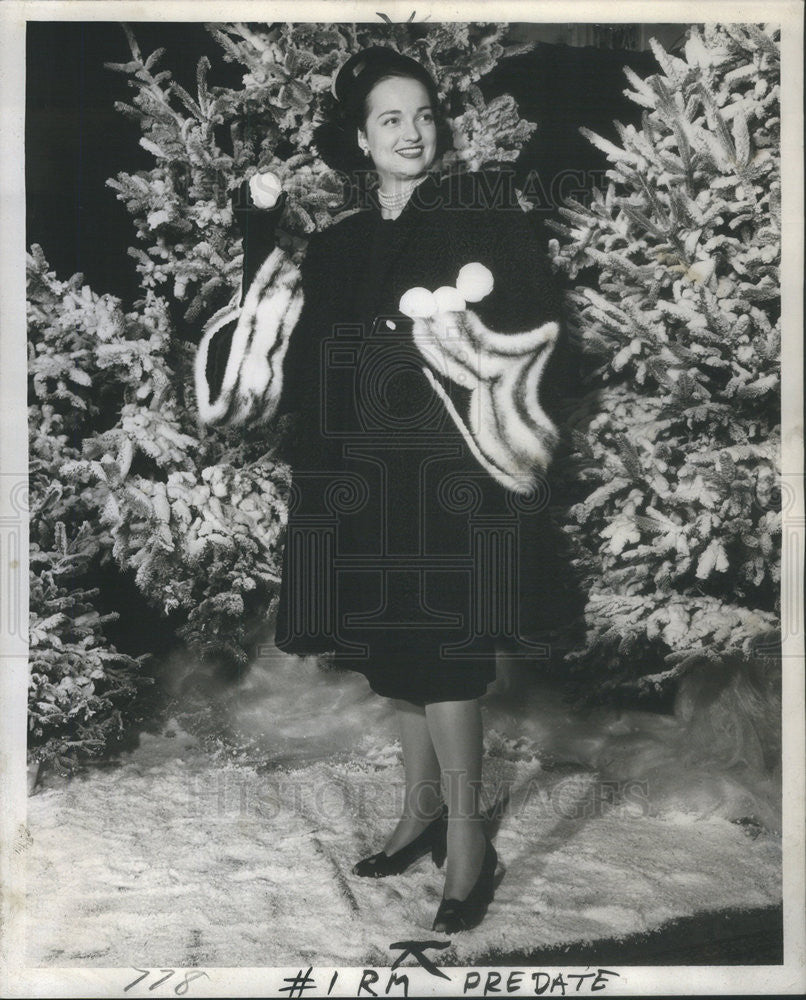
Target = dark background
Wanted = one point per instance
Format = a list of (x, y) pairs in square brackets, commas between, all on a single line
[(75, 139)]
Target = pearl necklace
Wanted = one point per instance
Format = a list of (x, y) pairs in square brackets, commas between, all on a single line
[(394, 202)]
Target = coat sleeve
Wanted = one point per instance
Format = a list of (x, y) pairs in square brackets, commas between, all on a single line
[(258, 227)]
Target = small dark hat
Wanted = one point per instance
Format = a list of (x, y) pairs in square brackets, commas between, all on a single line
[(373, 62)]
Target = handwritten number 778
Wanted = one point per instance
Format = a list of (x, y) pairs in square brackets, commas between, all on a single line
[(180, 989)]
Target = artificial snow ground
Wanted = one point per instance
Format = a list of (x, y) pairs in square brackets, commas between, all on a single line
[(184, 853)]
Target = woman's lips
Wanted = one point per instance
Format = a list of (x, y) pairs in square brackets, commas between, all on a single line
[(412, 153)]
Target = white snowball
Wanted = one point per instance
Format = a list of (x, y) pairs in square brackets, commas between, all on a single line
[(448, 299), (417, 303), (474, 282), (265, 189)]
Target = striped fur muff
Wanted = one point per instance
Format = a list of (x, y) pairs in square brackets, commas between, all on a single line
[(504, 425), (253, 377)]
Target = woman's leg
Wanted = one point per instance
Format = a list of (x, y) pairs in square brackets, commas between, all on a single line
[(456, 732), (423, 796)]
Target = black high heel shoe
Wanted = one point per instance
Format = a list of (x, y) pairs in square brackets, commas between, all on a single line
[(456, 915), (434, 838)]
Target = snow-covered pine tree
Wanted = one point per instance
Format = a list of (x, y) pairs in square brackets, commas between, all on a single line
[(195, 515), (679, 434), (80, 685)]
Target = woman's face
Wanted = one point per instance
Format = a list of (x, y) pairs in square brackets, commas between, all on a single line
[(400, 131)]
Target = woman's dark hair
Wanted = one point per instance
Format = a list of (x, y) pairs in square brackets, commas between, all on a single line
[(336, 139)]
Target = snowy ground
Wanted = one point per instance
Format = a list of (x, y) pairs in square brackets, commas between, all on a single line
[(186, 853)]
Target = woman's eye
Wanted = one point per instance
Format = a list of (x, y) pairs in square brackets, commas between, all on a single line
[(391, 121)]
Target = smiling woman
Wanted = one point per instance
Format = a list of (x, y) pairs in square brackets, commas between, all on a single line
[(417, 541)]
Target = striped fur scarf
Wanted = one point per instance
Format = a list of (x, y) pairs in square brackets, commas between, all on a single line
[(253, 371), (502, 422)]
